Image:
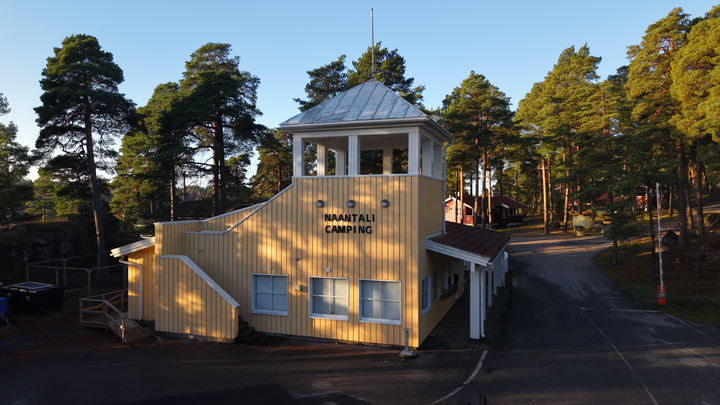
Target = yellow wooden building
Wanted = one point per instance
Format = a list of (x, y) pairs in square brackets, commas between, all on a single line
[(338, 254)]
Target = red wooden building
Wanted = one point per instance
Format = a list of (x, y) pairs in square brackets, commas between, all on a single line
[(505, 210)]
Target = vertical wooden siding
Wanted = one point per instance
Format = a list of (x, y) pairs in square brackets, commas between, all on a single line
[(144, 258), (188, 305), (430, 218), (288, 237)]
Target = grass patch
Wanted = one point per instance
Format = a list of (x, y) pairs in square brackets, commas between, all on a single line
[(691, 277)]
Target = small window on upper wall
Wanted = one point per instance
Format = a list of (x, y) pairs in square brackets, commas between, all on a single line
[(270, 294), (380, 301), (329, 298)]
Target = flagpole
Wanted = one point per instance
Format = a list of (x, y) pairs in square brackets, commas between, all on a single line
[(661, 287)]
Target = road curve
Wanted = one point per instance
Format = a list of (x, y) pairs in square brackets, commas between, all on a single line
[(573, 337)]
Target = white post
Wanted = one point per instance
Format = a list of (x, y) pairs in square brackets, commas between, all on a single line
[(353, 155), (505, 255), (474, 302), (387, 157), (482, 302), (298, 156), (340, 162), (490, 270), (427, 157), (414, 153), (321, 160)]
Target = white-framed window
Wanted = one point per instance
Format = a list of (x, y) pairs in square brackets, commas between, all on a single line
[(329, 298), (380, 301), (425, 295), (270, 294)]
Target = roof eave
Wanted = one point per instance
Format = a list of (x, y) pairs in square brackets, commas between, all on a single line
[(133, 247), (424, 121)]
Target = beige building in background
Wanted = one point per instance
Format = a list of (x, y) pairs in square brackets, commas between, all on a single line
[(345, 256)]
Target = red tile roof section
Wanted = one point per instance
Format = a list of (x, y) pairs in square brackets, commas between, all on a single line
[(476, 240)]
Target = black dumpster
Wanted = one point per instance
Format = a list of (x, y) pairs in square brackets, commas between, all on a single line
[(34, 298)]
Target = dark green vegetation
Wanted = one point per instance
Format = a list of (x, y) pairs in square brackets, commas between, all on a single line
[(691, 277)]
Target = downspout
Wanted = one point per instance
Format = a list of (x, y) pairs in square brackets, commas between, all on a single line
[(140, 284), (445, 186)]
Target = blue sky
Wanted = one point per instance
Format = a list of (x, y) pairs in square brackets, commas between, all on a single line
[(512, 43)]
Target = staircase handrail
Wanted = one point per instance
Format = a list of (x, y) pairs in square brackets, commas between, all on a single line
[(255, 211)]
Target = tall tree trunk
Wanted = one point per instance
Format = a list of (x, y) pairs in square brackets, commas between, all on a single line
[(462, 196), (94, 188), (544, 199), (671, 211), (486, 222), (688, 197), (499, 178), (476, 210), (698, 186), (682, 200), (517, 186), (550, 192), (708, 183), (218, 169), (172, 194), (616, 260), (566, 208), (567, 197)]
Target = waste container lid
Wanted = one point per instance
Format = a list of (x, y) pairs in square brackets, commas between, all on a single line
[(30, 286)]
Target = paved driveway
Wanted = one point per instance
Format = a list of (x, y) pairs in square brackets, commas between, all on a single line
[(572, 337)]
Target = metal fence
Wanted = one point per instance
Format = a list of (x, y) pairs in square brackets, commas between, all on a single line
[(78, 272)]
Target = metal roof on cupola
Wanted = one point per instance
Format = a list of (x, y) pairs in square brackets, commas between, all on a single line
[(367, 104)]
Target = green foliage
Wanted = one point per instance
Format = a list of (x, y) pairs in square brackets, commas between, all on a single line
[(43, 203), (479, 116), (14, 164), (238, 190), (389, 70), (695, 75), (81, 101), (217, 111), (331, 79), (325, 82), (274, 171), (150, 156), (80, 85), (4, 106)]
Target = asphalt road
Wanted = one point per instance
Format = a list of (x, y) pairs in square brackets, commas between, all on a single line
[(572, 337)]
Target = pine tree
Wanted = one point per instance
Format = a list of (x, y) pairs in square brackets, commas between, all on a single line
[(648, 86), (218, 110), (479, 116), (325, 82), (14, 166), (389, 70), (274, 171), (81, 101)]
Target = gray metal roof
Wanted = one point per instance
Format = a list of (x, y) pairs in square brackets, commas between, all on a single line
[(366, 101)]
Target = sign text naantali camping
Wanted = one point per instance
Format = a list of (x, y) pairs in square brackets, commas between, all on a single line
[(352, 218)]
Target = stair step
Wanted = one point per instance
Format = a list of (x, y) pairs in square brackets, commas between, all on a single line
[(249, 337), (245, 330)]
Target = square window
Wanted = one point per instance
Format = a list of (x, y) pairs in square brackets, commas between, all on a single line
[(329, 298), (270, 294), (380, 301)]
